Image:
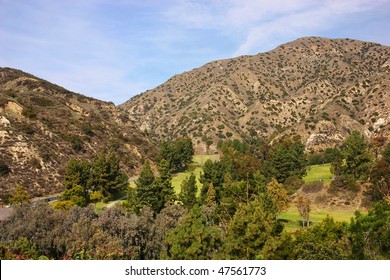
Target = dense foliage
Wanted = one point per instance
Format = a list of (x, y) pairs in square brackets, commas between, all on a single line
[(235, 216), (178, 153), (88, 181)]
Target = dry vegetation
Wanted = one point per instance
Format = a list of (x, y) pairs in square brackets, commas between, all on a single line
[(43, 125), (318, 88)]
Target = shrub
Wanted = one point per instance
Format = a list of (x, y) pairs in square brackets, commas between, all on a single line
[(344, 183), (292, 184), (29, 112), (313, 187), (4, 168)]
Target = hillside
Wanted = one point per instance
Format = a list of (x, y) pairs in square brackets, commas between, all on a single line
[(318, 88), (43, 125)]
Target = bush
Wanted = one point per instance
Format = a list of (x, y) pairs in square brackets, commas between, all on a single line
[(4, 168), (313, 187), (29, 113), (344, 183), (292, 184)]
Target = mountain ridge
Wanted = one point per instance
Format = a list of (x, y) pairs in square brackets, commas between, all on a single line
[(315, 87)]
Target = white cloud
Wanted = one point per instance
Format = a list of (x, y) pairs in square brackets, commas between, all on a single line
[(259, 25), (113, 49)]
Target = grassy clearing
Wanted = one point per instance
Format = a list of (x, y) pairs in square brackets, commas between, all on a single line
[(318, 172), (195, 168), (292, 218), (100, 206)]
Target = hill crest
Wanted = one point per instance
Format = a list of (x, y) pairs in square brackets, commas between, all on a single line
[(318, 88)]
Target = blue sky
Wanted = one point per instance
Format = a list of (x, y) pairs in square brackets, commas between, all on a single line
[(114, 49)]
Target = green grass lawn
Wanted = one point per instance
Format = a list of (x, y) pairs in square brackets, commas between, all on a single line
[(292, 218), (195, 167), (318, 172)]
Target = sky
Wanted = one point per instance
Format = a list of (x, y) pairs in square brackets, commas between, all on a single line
[(114, 49)]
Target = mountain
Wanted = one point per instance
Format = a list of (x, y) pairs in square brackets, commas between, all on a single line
[(43, 125), (318, 88)]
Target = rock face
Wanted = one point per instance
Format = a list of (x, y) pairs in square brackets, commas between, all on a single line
[(318, 88), (43, 125)]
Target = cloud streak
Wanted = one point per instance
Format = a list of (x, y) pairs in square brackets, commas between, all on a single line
[(112, 50)]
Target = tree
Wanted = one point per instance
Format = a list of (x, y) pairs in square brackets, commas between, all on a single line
[(188, 192), (303, 205), (193, 238), (386, 153), (250, 229), (148, 191), (100, 178), (379, 187), (355, 157), (19, 196), (165, 180), (77, 172), (278, 195), (106, 175), (213, 172), (285, 158), (178, 153), (77, 195), (167, 219), (327, 240), (370, 234)]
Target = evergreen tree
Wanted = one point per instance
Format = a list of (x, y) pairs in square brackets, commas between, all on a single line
[(370, 234), (106, 175), (285, 159), (77, 172), (165, 180), (386, 154), (77, 195), (148, 191), (278, 195), (379, 187), (213, 172), (251, 228), (188, 191), (327, 240), (211, 195), (178, 153), (355, 157), (193, 238)]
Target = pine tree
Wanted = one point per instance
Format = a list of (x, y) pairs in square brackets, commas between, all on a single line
[(355, 156), (285, 159), (251, 228), (148, 191), (193, 238), (165, 180), (188, 192), (106, 175), (278, 195), (77, 172)]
